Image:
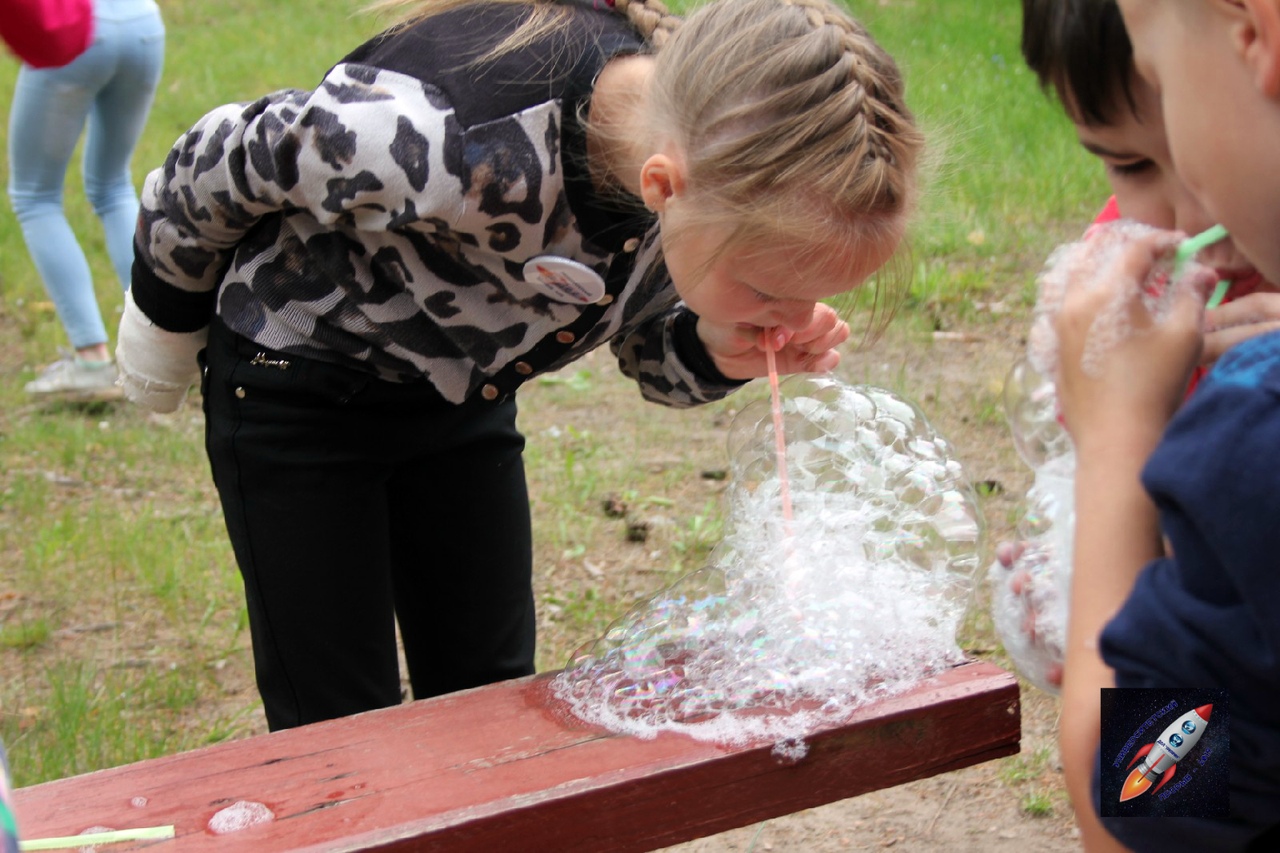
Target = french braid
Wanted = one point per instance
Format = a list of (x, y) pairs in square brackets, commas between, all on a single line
[(791, 119), (651, 19), (789, 102)]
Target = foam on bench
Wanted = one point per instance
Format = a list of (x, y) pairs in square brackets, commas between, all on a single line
[(501, 768)]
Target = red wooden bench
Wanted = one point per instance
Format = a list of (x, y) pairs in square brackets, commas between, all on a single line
[(502, 768)]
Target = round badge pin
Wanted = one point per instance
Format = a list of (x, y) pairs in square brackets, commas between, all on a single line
[(564, 280)]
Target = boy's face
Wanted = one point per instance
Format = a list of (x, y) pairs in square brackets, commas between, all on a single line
[(1207, 60), (1135, 151)]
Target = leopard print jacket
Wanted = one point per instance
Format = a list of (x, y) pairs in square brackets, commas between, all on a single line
[(383, 221)]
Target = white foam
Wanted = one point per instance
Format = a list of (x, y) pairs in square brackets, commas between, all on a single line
[(1093, 262), (238, 816), (780, 633), (1029, 598)]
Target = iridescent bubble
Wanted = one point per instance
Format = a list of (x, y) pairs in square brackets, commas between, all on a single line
[(794, 623), (1098, 260), (1030, 594), (239, 816), (1031, 408)]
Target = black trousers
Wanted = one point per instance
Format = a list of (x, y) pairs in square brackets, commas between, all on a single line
[(352, 503)]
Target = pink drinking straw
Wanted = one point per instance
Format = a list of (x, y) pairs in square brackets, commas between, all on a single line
[(779, 438)]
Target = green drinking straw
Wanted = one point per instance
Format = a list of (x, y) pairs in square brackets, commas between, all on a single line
[(90, 839), (1190, 247)]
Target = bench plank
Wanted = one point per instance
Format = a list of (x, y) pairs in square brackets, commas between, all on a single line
[(504, 767)]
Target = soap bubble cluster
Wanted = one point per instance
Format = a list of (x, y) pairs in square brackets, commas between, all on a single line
[(1030, 592), (1094, 261), (796, 622)]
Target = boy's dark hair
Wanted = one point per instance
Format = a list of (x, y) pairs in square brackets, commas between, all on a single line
[(1081, 49)]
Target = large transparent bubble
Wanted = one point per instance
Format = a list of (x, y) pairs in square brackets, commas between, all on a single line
[(798, 621), (1031, 409), (1031, 581)]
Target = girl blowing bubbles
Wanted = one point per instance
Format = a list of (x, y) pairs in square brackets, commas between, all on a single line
[(484, 193)]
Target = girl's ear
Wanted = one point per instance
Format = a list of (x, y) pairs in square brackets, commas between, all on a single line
[(1257, 38), (661, 179)]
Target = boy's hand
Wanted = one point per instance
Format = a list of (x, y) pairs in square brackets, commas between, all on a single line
[(738, 349), (1238, 321), (1127, 399)]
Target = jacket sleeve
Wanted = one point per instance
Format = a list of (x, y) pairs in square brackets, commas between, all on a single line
[(357, 151), (47, 33), (669, 362)]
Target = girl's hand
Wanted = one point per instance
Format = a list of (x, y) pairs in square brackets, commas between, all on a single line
[(1126, 400), (738, 349), (1238, 321)]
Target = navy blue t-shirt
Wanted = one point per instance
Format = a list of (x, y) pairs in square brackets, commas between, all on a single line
[(1208, 615)]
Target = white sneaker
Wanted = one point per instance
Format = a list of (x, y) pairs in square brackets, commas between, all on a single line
[(76, 380)]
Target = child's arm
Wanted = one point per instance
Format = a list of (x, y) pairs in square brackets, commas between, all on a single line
[(1116, 415), (664, 356), (365, 150), (675, 365)]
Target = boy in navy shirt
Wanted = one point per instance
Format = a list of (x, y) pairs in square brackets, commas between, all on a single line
[(1177, 542)]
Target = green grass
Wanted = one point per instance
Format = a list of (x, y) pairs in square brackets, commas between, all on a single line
[(1007, 172), (122, 626)]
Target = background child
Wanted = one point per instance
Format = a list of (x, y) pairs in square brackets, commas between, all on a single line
[(108, 90), (386, 259), (1194, 614), (1080, 50)]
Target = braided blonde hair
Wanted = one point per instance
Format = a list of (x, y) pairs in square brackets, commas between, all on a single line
[(790, 118), (792, 123)]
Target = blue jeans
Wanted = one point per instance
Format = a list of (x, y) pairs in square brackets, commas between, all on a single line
[(110, 87)]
